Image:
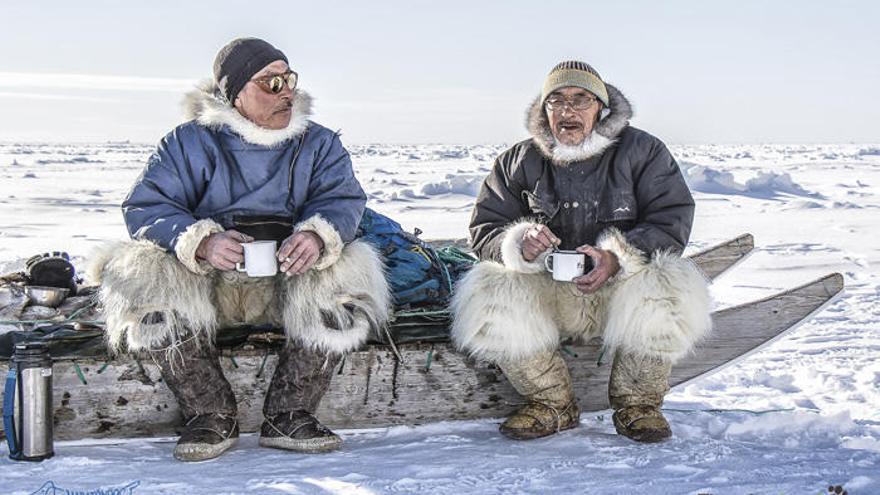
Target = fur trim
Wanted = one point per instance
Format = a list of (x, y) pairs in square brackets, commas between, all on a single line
[(603, 135), (631, 259), (98, 259), (663, 310), (203, 106), (188, 242), (511, 250), (500, 315), (139, 277), (328, 233), (594, 145), (335, 309)]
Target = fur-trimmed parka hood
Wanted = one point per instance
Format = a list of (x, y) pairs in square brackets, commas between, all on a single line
[(203, 106), (604, 133)]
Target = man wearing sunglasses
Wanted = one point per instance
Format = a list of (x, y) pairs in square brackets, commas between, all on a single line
[(247, 165), (584, 181)]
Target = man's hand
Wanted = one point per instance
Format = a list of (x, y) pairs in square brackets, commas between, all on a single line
[(299, 252), (605, 266), (223, 250), (536, 240)]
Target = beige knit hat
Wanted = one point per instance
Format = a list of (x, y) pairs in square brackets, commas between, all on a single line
[(577, 74)]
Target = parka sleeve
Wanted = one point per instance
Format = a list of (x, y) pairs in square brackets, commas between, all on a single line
[(498, 220), (158, 207), (335, 202)]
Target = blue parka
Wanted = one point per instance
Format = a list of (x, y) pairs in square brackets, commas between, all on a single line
[(219, 164)]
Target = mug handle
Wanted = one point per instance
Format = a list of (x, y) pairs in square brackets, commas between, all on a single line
[(239, 267), (548, 262)]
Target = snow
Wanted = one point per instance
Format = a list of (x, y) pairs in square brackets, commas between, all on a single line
[(796, 417)]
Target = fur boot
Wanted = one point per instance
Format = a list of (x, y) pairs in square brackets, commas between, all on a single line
[(545, 382), (635, 390), (301, 378), (191, 369)]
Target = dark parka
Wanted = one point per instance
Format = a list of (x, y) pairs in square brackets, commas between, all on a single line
[(629, 181)]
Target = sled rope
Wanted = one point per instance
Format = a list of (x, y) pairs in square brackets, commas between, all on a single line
[(341, 365), (79, 373), (393, 345), (71, 318), (31, 322), (599, 361), (452, 253), (429, 359), (263, 364), (438, 312), (82, 310), (568, 351)]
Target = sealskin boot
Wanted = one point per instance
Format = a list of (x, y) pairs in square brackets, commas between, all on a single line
[(301, 378), (206, 437), (191, 369), (545, 382), (635, 390), (298, 431)]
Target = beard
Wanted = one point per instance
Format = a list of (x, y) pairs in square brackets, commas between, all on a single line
[(566, 154)]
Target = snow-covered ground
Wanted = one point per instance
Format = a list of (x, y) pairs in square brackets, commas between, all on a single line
[(795, 418)]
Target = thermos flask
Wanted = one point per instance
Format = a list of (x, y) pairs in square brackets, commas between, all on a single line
[(27, 403)]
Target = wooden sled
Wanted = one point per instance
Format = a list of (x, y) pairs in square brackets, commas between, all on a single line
[(430, 382)]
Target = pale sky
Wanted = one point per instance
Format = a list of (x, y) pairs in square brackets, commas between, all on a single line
[(452, 71)]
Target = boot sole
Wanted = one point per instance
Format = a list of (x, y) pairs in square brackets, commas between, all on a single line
[(195, 452), (305, 445), (644, 436), (533, 434)]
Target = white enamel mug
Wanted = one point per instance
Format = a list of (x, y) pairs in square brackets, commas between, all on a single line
[(259, 259), (565, 265)]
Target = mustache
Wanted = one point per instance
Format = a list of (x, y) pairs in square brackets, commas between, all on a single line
[(569, 123), (283, 107)]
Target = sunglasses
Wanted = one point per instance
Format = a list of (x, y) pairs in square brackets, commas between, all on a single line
[(275, 84)]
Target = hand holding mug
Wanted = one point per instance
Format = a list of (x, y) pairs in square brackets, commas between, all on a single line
[(605, 266), (299, 252), (536, 240), (223, 250)]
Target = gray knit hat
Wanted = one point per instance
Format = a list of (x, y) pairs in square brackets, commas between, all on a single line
[(577, 74), (238, 61)]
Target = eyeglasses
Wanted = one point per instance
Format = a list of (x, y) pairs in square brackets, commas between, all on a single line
[(275, 83), (578, 103)]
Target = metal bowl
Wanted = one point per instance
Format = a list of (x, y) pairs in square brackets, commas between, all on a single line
[(46, 296)]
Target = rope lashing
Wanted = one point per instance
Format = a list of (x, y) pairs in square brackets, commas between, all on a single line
[(79, 373), (263, 364), (429, 359)]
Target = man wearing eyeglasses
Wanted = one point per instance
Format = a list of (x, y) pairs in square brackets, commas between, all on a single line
[(585, 181), (247, 165)]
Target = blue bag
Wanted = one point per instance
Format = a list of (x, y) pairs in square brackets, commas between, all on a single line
[(418, 275)]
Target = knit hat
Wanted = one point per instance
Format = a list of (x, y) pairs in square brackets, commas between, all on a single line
[(238, 61), (577, 74)]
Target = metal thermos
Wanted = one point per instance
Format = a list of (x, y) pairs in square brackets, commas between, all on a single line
[(27, 403)]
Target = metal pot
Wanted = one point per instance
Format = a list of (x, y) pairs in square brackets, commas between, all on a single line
[(46, 296)]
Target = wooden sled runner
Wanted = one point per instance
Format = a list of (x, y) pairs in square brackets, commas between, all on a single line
[(432, 382)]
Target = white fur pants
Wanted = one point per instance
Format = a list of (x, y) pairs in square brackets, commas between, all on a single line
[(661, 310), (332, 309)]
